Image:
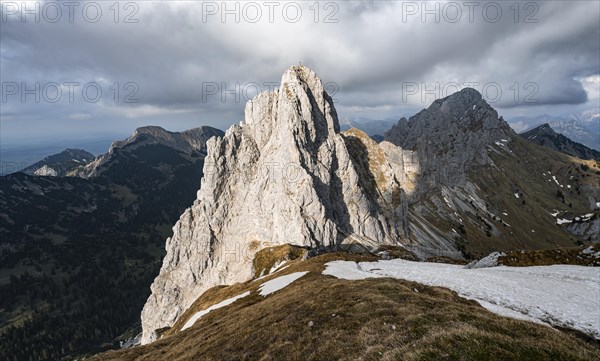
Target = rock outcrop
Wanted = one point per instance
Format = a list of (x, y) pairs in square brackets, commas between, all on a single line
[(46, 171), (284, 175)]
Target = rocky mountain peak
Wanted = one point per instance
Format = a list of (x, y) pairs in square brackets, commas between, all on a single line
[(304, 89), (545, 128), (152, 130), (451, 136), (283, 175), (459, 109), (300, 110)]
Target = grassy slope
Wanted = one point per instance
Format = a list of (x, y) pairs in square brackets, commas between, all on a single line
[(531, 225), (545, 257), (376, 319)]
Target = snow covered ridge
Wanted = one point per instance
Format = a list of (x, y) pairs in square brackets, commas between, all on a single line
[(266, 289), (560, 295)]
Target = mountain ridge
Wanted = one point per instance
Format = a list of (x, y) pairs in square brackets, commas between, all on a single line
[(545, 136), (79, 253), (191, 142), (582, 128)]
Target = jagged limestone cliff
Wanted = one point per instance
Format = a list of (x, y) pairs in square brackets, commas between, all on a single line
[(284, 175)]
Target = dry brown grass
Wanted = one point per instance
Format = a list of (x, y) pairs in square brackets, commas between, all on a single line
[(444, 259), (545, 257), (267, 258), (264, 259), (374, 319)]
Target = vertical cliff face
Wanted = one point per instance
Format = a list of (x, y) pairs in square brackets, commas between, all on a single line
[(284, 175)]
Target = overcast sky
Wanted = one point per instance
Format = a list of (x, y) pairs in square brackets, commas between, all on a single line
[(173, 63)]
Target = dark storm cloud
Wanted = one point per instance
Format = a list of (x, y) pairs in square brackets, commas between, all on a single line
[(376, 53)]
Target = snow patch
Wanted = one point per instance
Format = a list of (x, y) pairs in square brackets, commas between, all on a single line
[(587, 217), (563, 221), (199, 314), (279, 283), (277, 266), (447, 202), (559, 295), (517, 195)]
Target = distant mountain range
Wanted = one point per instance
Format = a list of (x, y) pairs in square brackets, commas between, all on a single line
[(79, 251), (582, 128), (545, 136)]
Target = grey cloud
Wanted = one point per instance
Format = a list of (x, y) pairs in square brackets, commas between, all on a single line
[(370, 54)]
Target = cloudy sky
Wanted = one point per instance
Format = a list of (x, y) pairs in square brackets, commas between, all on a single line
[(186, 64)]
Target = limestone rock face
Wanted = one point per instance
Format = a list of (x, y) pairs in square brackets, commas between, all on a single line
[(284, 175), (46, 171)]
